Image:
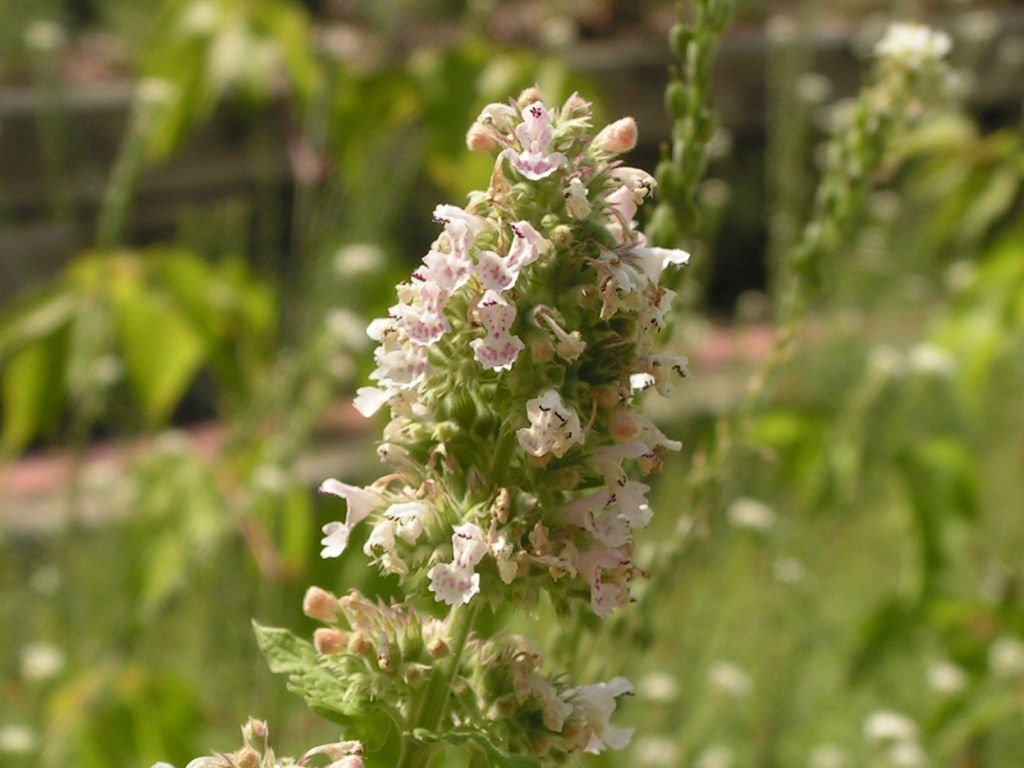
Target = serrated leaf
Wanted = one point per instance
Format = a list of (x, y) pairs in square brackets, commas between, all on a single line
[(478, 742), (297, 658)]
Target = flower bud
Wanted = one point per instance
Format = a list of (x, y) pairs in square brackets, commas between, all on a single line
[(358, 644), (529, 96), (330, 641), (247, 757), (438, 647), (561, 236), (481, 138), (543, 351), (623, 426), (255, 730), (321, 605), (617, 137)]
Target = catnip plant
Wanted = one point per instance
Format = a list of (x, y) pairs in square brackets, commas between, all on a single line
[(511, 367)]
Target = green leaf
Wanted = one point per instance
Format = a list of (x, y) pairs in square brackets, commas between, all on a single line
[(479, 743), (35, 317), (162, 350), (32, 391)]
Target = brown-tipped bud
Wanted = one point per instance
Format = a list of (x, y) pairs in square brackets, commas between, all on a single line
[(617, 137), (623, 426), (561, 236), (247, 757), (358, 645), (481, 138), (607, 397), (502, 505), (255, 730), (330, 641), (438, 647), (528, 96), (542, 350), (321, 605)]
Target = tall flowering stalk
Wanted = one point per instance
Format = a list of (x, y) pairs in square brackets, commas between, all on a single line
[(510, 366)]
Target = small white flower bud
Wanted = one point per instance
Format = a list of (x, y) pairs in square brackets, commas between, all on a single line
[(330, 641), (321, 605), (617, 137)]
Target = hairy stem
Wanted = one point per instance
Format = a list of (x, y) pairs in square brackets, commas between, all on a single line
[(430, 712)]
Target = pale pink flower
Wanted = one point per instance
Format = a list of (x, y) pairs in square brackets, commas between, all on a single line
[(360, 503), (598, 703), (497, 349), (653, 261), (535, 135), (453, 585), (462, 228), (409, 517), (554, 427), (617, 137), (468, 545)]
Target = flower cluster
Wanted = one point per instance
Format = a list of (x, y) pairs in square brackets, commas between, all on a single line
[(256, 753), (384, 655), (511, 366)]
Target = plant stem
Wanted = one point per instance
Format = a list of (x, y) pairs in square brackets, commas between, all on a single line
[(431, 710)]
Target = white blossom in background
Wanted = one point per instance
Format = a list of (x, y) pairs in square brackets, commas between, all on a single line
[(947, 678), (889, 726), (751, 513), (730, 679), (41, 661), (1006, 657), (915, 45)]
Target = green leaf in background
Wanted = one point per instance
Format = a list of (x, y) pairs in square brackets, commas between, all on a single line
[(479, 743), (162, 350), (33, 390)]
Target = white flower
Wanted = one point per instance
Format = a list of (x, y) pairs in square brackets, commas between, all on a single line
[(17, 739), (946, 678), (656, 751), (41, 661), (576, 199), (381, 545), (1006, 657), (554, 427), (658, 687), (535, 135), (654, 261), (452, 584), (752, 514), (497, 349), (408, 517), (462, 228), (730, 679), (907, 754), (717, 756), (468, 545), (369, 400), (598, 704), (828, 756), (914, 45), (886, 726), (360, 503)]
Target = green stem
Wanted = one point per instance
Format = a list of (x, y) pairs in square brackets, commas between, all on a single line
[(432, 707)]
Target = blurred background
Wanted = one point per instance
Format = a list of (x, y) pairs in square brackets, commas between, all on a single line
[(202, 204)]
